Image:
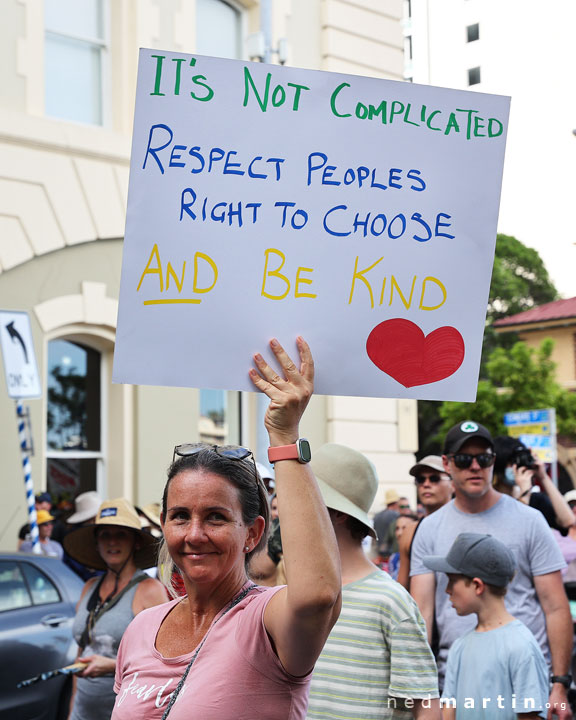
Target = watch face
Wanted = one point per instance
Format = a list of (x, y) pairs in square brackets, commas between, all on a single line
[(305, 452)]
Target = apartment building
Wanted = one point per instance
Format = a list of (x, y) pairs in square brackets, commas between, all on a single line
[(526, 51)]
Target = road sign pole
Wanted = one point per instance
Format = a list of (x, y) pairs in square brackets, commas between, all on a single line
[(554, 465), (30, 500)]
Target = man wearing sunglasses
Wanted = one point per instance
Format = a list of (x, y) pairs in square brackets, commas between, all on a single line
[(433, 483), (535, 595), (434, 489)]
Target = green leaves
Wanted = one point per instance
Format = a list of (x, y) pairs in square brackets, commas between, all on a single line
[(521, 378), (513, 376), (520, 280)]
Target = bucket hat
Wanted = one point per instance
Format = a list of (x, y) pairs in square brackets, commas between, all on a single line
[(347, 481), (43, 516), (80, 544), (87, 505)]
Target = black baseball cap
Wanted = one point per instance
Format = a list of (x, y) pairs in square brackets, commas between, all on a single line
[(464, 431), (476, 555)]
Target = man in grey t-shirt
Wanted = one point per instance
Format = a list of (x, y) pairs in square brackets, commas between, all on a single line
[(536, 594)]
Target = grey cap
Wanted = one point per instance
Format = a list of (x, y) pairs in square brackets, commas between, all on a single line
[(476, 555), (430, 462)]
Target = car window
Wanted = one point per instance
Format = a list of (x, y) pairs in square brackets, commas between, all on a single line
[(13, 590), (42, 588)]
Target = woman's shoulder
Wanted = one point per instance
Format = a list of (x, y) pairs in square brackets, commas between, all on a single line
[(149, 592), (89, 585)]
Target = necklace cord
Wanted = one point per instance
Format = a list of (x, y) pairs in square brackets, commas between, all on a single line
[(180, 685)]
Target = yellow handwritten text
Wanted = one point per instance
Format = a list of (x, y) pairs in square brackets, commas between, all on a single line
[(275, 273), (203, 264), (429, 285)]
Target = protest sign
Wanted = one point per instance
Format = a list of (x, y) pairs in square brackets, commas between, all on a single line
[(268, 201)]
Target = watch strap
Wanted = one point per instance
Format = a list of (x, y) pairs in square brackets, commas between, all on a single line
[(283, 452), (565, 680)]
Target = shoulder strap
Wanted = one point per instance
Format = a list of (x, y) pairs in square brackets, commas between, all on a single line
[(110, 604), (95, 612)]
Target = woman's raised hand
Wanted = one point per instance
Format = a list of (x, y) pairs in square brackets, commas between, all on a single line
[(289, 395)]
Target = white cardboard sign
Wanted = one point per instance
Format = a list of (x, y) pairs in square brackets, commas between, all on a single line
[(268, 201)]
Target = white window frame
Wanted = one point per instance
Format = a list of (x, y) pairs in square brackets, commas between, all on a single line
[(101, 455), (241, 10), (105, 65)]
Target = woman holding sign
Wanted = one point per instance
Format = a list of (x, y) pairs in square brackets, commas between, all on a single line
[(230, 649)]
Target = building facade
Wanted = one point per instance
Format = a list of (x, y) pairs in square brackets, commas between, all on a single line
[(513, 48), (67, 89)]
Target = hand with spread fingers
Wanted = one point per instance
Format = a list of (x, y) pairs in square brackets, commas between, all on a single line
[(215, 518), (289, 395), (300, 616)]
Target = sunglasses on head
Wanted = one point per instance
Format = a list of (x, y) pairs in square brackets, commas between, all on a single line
[(231, 452), (421, 479), (464, 460)]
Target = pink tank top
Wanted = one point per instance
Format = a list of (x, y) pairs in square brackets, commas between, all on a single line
[(236, 675)]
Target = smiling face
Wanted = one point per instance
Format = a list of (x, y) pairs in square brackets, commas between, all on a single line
[(115, 545), (204, 528), (473, 482)]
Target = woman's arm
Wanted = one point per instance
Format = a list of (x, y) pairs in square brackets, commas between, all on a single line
[(563, 511), (404, 544), (299, 617)]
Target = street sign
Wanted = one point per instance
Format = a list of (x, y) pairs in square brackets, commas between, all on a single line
[(536, 429), (20, 367)]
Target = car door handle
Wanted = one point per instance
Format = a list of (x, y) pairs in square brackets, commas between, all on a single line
[(53, 620)]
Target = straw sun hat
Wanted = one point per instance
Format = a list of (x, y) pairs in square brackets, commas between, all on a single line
[(80, 544)]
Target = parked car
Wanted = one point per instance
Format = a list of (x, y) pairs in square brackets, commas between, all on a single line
[(38, 597)]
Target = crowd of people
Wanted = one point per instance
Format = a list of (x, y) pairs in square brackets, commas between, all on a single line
[(252, 594)]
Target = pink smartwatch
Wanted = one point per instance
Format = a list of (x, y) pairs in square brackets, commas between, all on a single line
[(300, 451)]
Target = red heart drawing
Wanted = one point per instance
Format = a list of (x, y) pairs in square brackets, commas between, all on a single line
[(400, 349)]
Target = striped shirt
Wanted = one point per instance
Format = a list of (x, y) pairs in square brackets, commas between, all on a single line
[(376, 660)]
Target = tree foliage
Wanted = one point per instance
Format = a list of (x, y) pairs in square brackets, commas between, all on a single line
[(520, 280), (521, 378), (512, 377)]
